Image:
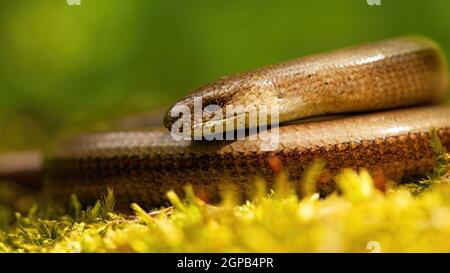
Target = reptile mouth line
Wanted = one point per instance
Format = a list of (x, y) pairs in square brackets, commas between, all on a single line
[(236, 124)]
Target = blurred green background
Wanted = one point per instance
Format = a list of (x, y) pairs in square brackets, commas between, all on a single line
[(66, 68)]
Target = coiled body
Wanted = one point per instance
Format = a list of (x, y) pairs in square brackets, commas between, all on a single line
[(394, 73), (142, 165)]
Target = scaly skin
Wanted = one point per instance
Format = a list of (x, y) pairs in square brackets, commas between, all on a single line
[(141, 166), (398, 72)]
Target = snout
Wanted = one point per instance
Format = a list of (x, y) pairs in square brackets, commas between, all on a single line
[(168, 120)]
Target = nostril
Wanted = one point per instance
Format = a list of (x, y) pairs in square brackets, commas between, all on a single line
[(174, 114), (168, 120)]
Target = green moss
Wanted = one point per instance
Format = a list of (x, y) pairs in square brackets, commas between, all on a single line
[(397, 220), (360, 218)]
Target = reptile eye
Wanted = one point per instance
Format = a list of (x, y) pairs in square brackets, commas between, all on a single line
[(217, 102)]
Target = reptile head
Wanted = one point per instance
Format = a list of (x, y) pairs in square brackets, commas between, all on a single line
[(222, 106)]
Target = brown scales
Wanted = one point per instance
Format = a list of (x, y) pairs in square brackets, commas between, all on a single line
[(144, 173)]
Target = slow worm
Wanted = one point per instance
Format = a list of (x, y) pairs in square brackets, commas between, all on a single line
[(389, 90)]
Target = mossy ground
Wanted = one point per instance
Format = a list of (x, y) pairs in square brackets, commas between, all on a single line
[(359, 218)]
